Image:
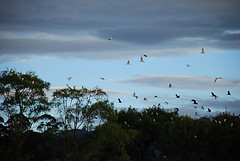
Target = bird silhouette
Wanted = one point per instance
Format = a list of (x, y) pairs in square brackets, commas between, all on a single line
[(145, 99), (217, 79), (194, 101), (128, 62), (213, 95), (202, 52), (102, 78), (170, 85), (166, 103), (69, 78), (119, 101), (228, 93), (178, 96), (195, 107), (202, 107), (188, 65), (145, 55), (209, 110), (141, 60)]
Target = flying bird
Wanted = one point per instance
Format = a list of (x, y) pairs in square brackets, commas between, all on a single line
[(134, 94), (145, 55), (110, 38), (195, 107), (141, 60), (145, 99), (194, 101), (166, 103), (213, 95), (209, 110), (217, 79), (156, 96), (188, 65), (69, 78), (128, 62), (228, 93), (102, 78), (119, 101), (202, 52), (178, 96), (202, 107), (170, 85)]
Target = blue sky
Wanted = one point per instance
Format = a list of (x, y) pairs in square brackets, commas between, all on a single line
[(59, 39)]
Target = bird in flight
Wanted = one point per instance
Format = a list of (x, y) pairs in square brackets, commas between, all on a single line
[(134, 95), (189, 65), (69, 78), (194, 101), (119, 101), (209, 110), (202, 52), (213, 95), (195, 107), (217, 79), (228, 93), (141, 60), (102, 78), (110, 38), (202, 107), (170, 85), (178, 96), (166, 103), (128, 62), (145, 55), (145, 99)]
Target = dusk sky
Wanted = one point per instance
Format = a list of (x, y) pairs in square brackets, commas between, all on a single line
[(58, 39)]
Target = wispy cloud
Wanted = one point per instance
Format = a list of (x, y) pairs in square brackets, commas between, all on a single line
[(183, 82)]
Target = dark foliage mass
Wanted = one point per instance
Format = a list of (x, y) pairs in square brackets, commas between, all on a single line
[(88, 128)]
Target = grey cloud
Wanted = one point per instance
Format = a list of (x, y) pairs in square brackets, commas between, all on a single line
[(134, 22)]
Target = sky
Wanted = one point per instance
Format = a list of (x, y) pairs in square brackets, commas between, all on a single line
[(58, 39)]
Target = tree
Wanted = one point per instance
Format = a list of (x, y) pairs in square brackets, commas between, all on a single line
[(75, 108), (79, 109), (24, 100)]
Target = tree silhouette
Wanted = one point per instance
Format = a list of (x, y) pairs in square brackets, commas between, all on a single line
[(24, 100)]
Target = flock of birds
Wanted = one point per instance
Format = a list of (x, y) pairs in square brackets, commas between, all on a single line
[(195, 103)]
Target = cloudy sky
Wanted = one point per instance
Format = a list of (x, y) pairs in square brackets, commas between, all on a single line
[(69, 38)]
